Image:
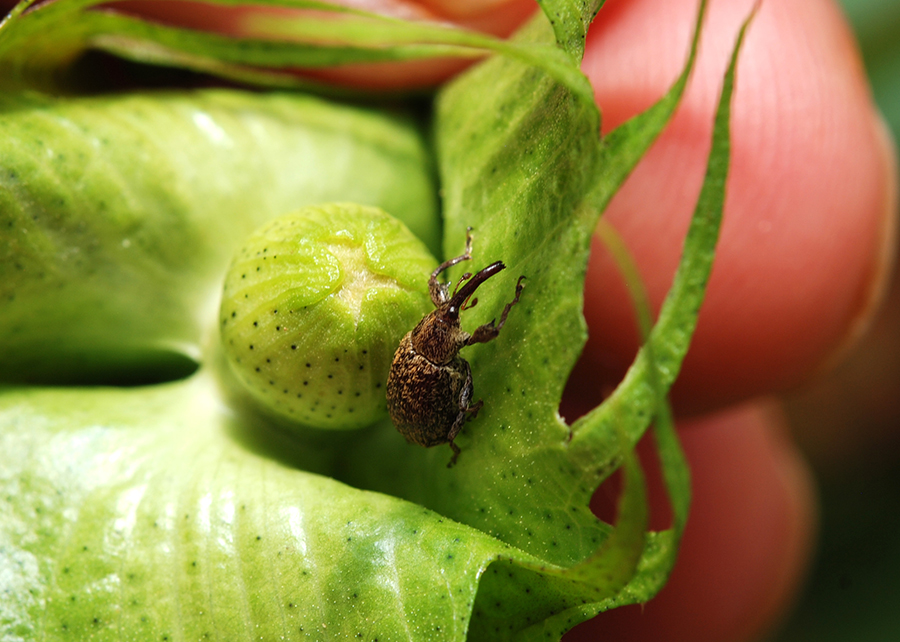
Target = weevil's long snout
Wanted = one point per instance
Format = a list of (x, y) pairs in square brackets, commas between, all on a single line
[(471, 285)]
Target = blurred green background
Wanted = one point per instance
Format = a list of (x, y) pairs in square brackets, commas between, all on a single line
[(849, 426)]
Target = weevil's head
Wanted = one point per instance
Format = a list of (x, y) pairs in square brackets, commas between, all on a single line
[(438, 337)]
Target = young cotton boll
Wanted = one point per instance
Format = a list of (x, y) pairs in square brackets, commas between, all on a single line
[(313, 307)]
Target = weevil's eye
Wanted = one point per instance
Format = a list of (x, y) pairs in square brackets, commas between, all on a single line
[(314, 306)]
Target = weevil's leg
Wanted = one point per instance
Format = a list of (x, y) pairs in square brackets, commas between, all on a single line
[(473, 410), (439, 291), (456, 451), (469, 413), (489, 331), (519, 287), (465, 277), (457, 425), (465, 411), (465, 396)]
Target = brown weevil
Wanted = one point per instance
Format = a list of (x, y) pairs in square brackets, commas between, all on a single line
[(429, 389)]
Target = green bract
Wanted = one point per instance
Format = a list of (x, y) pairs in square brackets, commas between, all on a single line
[(314, 305), (174, 511), (120, 214)]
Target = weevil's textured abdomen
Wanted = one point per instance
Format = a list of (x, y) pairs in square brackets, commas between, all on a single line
[(424, 398)]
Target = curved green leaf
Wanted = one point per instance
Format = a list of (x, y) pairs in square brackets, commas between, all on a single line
[(272, 48), (148, 512), (119, 214), (141, 514), (659, 361), (570, 20), (496, 167)]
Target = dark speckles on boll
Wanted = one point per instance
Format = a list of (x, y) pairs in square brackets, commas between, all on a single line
[(294, 329)]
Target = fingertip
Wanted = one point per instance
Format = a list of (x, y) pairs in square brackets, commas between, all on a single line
[(497, 17), (884, 255), (748, 542), (809, 223)]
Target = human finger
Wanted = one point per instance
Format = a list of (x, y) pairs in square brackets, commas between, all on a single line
[(748, 540), (497, 17), (808, 232)]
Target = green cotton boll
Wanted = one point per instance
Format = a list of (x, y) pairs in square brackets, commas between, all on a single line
[(313, 307)]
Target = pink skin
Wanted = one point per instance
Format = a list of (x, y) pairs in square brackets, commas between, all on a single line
[(497, 18), (805, 249), (747, 542), (807, 238)]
